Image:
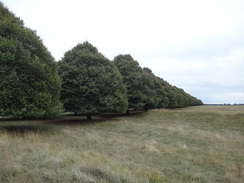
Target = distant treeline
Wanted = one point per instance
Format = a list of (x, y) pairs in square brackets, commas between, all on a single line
[(84, 81), (225, 104)]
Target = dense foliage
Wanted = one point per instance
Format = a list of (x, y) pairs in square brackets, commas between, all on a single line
[(145, 90), (178, 97), (29, 81), (30, 84), (91, 83), (133, 80)]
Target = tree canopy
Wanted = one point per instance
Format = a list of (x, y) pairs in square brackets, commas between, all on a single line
[(91, 83), (133, 80), (177, 97), (145, 90), (29, 81)]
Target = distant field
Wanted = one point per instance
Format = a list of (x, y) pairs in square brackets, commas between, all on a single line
[(194, 144)]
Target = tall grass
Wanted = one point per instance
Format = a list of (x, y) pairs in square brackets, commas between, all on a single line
[(195, 144)]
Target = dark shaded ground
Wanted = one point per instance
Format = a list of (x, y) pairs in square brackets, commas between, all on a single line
[(20, 127)]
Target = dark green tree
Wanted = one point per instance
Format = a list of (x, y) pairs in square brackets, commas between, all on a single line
[(91, 83), (144, 89), (177, 97), (29, 82), (149, 89), (156, 93), (133, 79), (162, 99)]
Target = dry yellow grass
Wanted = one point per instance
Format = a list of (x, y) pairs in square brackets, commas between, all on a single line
[(195, 144)]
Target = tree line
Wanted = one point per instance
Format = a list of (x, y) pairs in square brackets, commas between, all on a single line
[(84, 81)]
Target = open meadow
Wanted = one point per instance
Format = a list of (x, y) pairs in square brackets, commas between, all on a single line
[(194, 144)]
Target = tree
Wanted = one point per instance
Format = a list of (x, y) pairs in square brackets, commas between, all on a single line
[(91, 83), (177, 97), (149, 89), (145, 90), (133, 80), (154, 90), (29, 82)]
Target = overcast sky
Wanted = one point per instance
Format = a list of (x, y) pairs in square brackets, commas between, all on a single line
[(197, 45)]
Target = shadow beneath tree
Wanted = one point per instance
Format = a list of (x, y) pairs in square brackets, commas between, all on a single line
[(20, 129), (71, 119), (116, 115), (17, 126)]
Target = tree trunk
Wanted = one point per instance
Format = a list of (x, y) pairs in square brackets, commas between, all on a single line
[(128, 112), (89, 117)]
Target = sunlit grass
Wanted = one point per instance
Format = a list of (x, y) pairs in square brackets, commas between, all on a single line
[(195, 144)]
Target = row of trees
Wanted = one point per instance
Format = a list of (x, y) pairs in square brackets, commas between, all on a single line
[(145, 90), (32, 83), (92, 84)]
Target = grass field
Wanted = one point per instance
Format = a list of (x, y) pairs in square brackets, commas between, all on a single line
[(194, 144)]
